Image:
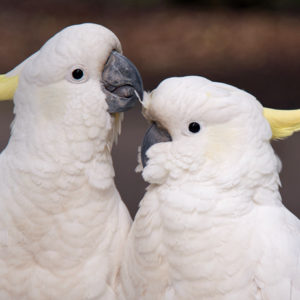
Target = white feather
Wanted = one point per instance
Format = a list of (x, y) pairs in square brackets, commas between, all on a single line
[(211, 225), (62, 222)]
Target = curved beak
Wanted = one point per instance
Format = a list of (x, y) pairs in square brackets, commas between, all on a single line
[(153, 136), (122, 83)]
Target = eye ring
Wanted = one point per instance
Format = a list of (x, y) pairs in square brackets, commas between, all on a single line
[(194, 127)]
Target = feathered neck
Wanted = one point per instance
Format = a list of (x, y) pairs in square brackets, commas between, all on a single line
[(244, 180), (65, 157)]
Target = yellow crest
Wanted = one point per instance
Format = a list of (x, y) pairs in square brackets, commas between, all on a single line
[(8, 86), (283, 122)]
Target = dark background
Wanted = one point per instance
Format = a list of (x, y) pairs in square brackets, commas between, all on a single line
[(251, 44)]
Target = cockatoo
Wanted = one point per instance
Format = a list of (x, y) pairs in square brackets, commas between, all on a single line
[(62, 222), (211, 225)]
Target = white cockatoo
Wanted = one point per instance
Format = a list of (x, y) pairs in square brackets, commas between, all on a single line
[(62, 222), (211, 225)]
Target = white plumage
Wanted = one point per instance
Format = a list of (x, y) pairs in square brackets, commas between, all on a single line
[(211, 225), (62, 222)]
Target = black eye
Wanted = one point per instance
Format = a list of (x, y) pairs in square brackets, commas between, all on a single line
[(194, 127), (77, 74)]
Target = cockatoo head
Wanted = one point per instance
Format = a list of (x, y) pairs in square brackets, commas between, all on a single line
[(79, 77), (203, 129)]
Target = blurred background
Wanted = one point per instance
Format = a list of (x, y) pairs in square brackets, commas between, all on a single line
[(251, 44)]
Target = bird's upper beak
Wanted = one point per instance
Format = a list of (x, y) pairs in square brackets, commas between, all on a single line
[(153, 136), (122, 83)]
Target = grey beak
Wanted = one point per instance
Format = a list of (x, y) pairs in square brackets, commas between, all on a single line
[(121, 81), (153, 136)]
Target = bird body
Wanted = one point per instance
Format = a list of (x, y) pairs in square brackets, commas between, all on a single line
[(211, 224), (62, 222), (183, 251)]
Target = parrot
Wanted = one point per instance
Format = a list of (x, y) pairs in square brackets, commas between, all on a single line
[(211, 224), (63, 224)]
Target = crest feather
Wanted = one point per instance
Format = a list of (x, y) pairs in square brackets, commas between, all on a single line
[(8, 86), (283, 122)]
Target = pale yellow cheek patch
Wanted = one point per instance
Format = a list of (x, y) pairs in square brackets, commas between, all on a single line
[(221, 142), (8, 86)]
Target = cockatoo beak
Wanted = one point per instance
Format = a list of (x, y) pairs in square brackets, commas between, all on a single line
[(8, 86), (122, 83), (283, 122), (153, 136)]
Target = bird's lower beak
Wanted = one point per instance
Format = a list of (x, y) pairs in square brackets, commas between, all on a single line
[(122, 83), (153, 136)]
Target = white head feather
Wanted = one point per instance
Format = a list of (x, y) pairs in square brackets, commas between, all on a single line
[(233, 143), (51, 104)]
